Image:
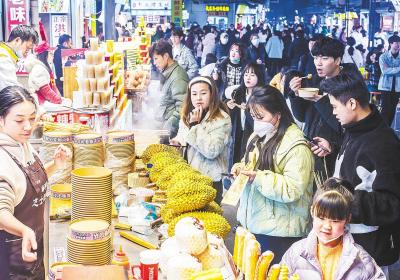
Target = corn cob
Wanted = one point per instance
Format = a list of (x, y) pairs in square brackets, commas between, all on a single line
[(249, 236), (138, 240), (294, 277), (212, 274), (273, 273), (264, 261), (239, 239), (251, 255)]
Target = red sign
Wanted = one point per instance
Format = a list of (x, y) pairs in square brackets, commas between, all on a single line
[(17, 13)]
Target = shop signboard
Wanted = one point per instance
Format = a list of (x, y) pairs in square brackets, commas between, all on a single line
[(176, 12), (387, 23), (151, 5), (213, 8), (59, 26), (17, 12), (54, 6)]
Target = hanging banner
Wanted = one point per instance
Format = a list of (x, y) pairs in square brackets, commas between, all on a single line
[(54, 6), (59, 26), (17, 12), (176, 12)]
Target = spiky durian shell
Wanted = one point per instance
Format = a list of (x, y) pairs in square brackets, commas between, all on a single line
[(193, 175), (213, 223), (213, 207), (160, 161), (188, 195), (157, 148), (168, 172)]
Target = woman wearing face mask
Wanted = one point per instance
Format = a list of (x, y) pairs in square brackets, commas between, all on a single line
[(275, 203), (205, 129), (256, 52), (329, 250), (222, 47), (229, 71), (242, 122), (41, 78), (23, 188)]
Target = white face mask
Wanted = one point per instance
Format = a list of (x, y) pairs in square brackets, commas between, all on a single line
[(327, 241), (224, 41), (255, 42), (263, 128)]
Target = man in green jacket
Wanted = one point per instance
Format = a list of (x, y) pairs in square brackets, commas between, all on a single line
[(173, 82)]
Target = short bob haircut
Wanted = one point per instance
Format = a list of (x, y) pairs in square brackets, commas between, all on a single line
[(241, 49), (327, 46), (345, 86), (25, 33), (177, 32), (160, 48), (333, 200), (215, 106)]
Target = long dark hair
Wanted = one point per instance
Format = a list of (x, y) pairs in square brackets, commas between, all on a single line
[(239, 94), (351, 42), (11, 96), (43, 56), (215, 107), (273, 101)]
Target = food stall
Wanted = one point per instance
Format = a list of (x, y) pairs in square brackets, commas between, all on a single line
[(125, 206)]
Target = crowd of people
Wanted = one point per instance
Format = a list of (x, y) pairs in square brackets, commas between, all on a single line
[(323, 172), (324, 168)]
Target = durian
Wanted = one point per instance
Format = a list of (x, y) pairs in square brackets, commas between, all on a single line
[(189, 195), (160, 161), (191, 235), (211, 258), (157, 148), (169, 248), (213, 207), (167, 214), (182, 267), (214, 223), (193, 175), (168, 172)]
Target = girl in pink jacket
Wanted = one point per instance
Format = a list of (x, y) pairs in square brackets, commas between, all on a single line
[(329, 251)]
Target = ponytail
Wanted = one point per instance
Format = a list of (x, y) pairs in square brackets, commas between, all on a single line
[(351, 51)]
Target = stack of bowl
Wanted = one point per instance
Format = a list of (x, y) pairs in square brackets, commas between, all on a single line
[(60, 200), (92, 193), (120, 156), (88, 150), (89, 242), (55, 271)]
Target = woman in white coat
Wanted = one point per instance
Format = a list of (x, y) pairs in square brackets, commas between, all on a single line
[(205, 128)]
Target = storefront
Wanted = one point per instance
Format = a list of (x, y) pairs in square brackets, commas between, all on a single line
[(154, 11), (245, 15), (218, 15)]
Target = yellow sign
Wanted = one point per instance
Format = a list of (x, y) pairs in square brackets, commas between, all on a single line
[(210, 8)]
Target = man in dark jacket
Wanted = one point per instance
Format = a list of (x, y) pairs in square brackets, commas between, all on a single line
[(298, 48), (369, 158), (255, 52), (316, 113), (64, 42)]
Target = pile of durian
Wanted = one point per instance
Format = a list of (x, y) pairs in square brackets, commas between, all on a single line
[(193, 253), (254, 265), (184, 191)]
